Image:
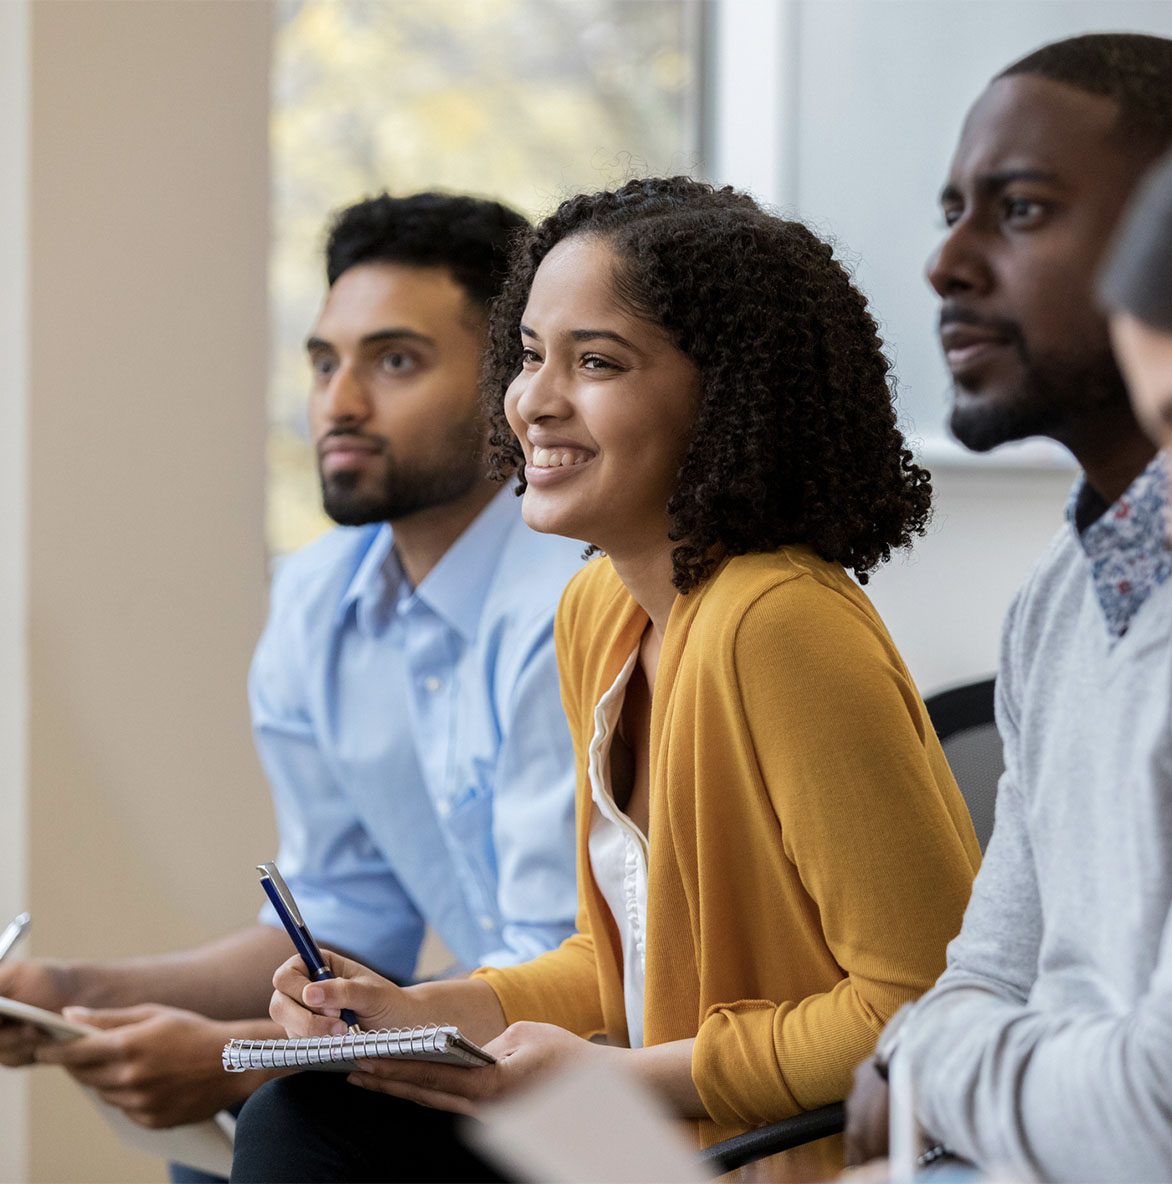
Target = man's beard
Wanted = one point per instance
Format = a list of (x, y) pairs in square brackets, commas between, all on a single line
[(1052, 394), (406, 489)]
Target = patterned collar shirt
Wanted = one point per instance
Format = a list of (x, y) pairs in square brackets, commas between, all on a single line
[(1126, 543), (413, 737)]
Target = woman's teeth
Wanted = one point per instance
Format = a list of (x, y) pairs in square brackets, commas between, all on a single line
[(552, 458)]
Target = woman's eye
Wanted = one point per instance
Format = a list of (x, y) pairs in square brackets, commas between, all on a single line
[(950, 216), (594, 362), (529, 357)]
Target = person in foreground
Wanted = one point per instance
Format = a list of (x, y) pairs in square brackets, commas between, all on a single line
[(403, 696), (1043, 1050), (772, 851)]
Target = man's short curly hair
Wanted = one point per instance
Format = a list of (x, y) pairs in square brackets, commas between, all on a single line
[(795, 439), (467, 235), (1134, 69)]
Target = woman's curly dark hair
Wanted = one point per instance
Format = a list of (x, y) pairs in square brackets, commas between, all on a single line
[(795, 438)]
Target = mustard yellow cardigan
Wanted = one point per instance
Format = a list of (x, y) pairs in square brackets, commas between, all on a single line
[(810, 853)]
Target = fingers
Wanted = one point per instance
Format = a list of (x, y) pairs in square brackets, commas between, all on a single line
[(436, 1099), (448, 1079), (866, 1116), (288, 1010), (138, 1105), (106, 1075), (112, 1017), (296, 998), (103, 1061), (18, 1044), (290, 978), (99, 1049), (299, 1021)]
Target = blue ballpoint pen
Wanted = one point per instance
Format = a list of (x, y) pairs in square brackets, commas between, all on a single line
[(282, 900)]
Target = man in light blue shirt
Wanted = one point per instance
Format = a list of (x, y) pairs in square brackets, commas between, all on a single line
[(415, 743), (404, 693)]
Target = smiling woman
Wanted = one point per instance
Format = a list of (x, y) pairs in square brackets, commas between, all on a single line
[(772, 852)]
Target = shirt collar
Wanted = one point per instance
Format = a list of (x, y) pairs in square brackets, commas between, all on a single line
[(454, 589), (1126, 543)]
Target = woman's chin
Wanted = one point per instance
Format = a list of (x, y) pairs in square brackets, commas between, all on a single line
[(545, 518)]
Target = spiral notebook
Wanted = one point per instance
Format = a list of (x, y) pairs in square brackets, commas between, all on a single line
[(434, 1042)]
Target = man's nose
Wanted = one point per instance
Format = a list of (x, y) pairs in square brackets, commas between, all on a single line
[(958, 264), (345, 397)]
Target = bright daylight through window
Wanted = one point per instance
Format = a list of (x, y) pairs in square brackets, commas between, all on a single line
[(522, 100)]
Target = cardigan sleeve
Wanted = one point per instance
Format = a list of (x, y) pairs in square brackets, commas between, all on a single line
[(560, 987), (874, 825)]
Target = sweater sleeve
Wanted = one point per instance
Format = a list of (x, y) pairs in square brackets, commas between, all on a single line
[(875, 829), (1051, 1095), (561, 986)]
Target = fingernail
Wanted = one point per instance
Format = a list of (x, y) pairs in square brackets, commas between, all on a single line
[(74, 1009), (338, 1029), (314, 996)]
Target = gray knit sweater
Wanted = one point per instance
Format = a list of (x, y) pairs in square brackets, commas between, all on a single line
[(1045, 1050)]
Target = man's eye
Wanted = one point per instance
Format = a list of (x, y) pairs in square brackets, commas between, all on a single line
[(397, 363), (322, 366), (951, 215), (1022, 209)]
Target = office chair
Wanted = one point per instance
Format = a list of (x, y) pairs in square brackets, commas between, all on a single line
[(963, 719)]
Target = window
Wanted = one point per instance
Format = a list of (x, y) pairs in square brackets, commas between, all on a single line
[(522, 100)]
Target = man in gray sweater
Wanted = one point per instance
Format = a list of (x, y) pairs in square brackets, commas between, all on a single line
[(1045, 1049)]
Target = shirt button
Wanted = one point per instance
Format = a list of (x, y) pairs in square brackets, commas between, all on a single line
[(432, 683), (487, 923), (443, 809)]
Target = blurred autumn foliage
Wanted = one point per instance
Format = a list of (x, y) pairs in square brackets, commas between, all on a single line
[(522, 100)]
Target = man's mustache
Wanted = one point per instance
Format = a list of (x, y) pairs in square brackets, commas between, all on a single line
[(1009, 330), (366, 439)]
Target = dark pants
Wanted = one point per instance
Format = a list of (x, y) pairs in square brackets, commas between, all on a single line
[(317, 1127), (180, 1173)]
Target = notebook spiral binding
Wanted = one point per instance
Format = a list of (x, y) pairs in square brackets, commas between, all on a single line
[(242, 1055)]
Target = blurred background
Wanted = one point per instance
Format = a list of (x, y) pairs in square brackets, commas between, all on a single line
[(169, 166)]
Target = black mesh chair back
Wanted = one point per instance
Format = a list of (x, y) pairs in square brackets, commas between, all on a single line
[(963, 719)]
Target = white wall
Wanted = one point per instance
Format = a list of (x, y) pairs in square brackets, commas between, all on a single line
[(883, 87), (853, 130), (944, 603)]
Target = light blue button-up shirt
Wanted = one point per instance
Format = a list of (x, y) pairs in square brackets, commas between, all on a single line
[(421, 766)]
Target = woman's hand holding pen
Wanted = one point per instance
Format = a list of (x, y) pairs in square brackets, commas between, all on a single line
[(523, 1051), (307, 1008)]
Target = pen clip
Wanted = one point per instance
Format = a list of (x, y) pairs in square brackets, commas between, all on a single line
[(268, 871)]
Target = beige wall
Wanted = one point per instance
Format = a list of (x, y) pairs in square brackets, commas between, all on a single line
[(13, 208), (144, 568)]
